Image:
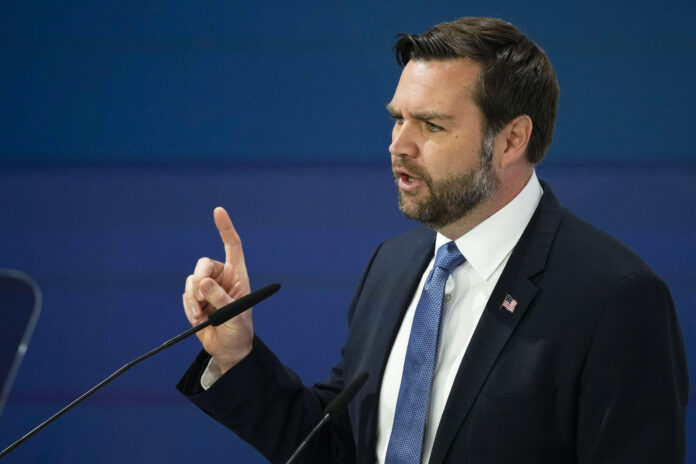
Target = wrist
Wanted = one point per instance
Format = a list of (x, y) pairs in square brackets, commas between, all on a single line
[(228, 361)]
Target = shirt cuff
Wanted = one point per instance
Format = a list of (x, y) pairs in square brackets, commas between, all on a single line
[(211, 374)]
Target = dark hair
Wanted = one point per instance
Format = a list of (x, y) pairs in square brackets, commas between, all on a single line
[(517, 77)]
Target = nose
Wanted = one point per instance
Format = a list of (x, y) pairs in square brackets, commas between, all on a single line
[(404, 140)]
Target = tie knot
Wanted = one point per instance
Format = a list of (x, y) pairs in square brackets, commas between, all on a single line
[(449, 257)]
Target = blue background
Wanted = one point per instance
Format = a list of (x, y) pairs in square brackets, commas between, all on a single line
[(124, 124)]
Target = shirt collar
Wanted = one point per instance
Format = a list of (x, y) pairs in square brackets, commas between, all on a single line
[(489, 243)]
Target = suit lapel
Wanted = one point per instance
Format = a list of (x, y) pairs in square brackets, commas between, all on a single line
[(497, 324), (402, 290), (402, 282)]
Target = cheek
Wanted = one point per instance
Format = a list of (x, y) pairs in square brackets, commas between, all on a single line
[(446, 159), (442, 157)]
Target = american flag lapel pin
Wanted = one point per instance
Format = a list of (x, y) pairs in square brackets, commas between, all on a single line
[(509, 303)]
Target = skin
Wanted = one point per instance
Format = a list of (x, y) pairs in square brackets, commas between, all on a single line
[(436, 136), (214, 284)]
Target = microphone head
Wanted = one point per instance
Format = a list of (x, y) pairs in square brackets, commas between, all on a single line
[(345, 397), (237, 307)]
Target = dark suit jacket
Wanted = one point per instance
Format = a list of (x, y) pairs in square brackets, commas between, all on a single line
[(590, 366)]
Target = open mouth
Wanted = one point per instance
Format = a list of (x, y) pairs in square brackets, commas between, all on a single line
[(406, 181)]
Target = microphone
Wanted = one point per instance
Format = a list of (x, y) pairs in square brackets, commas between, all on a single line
[(215, 318), (334, 407), (237, 307)]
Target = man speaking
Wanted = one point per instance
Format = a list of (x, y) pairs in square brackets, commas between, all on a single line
[(504, 331)]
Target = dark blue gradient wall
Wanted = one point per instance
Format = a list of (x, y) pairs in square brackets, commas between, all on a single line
[(181, 82), (124, 125)]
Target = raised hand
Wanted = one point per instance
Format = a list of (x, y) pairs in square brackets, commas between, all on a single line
[(214, 284)]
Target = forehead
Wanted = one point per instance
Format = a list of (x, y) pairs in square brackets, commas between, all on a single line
[(442, 85)]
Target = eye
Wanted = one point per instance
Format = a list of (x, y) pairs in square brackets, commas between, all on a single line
[(434, 127), (398, 120)]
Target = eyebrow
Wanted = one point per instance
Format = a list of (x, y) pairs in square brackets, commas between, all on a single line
[(422, 116)]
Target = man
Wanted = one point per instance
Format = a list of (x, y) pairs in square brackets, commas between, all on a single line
[(506, 331)]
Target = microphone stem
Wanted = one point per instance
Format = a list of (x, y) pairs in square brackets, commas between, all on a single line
[(215, 318), (306, 440), (88, 393)]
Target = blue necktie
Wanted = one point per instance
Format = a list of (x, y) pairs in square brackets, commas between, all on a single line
[(406, 440)]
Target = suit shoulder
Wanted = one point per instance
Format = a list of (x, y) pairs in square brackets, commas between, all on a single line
[(414, 238), (593, 249)]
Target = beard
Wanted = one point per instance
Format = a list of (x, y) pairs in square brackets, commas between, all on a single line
[(453, 197)]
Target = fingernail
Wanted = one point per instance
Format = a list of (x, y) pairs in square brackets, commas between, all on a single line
[(200, 295), (194, 310)]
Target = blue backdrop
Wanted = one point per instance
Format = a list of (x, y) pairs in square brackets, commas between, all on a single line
[(125, 124)]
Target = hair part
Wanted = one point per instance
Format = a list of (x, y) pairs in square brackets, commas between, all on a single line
[(517, 77)]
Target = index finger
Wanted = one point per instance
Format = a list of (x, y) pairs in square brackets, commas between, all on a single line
[(229, 236)]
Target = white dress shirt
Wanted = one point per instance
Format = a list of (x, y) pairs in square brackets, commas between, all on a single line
[(487, 248)]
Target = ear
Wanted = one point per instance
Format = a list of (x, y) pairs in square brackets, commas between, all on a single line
[(513, 140)]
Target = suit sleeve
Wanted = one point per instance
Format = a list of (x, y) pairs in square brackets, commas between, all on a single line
[(266, 404), (634, 385)]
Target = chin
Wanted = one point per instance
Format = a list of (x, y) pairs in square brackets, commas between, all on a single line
[(410, 207)]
